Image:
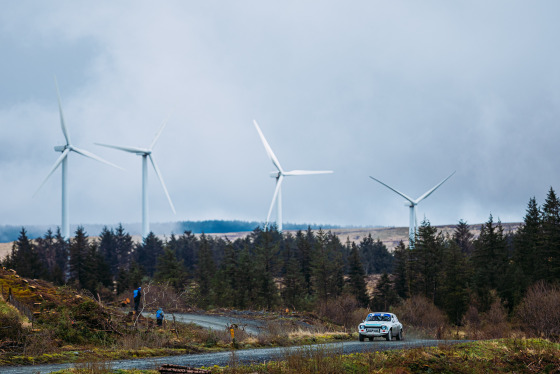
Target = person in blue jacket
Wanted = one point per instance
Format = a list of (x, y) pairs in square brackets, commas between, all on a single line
[(159, 317), (137, 297)]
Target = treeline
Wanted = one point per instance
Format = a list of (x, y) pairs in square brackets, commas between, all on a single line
[(459, 271), (306, 270), (263, 270)]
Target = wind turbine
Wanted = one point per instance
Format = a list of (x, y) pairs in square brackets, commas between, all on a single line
[(412, 204), (279, 175), (146, 154), (63, 159)]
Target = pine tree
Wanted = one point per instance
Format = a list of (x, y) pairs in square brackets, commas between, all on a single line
[(375, 256), (205, 272), (186, 249), (527, 245), (60, 273), (294, 292), (304, 244), (148, 252), (24, 258), (455, 294), (246, 276), (426, 259), (123, 247), (97, 270), (266, 253), (45, 249), (384, 295), (356, 277), (400, 271), (550, 242), (489, 261), (463, 237), (327, 268), (79, 248), (227, 284), (108, 249), (170, 270)]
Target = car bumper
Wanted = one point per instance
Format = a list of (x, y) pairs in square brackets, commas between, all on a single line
[(373, 332)]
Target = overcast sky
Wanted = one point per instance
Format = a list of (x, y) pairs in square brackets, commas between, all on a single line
[(405, 91)]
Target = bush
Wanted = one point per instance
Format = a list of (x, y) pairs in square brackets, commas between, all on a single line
[(344, 310), (10, 326), (539, 311), (473, 323), (490, 325), (419, 312)]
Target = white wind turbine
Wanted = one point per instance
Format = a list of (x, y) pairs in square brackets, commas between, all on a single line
[(63, 159), (146, 153), (412, 204), (279, 175)]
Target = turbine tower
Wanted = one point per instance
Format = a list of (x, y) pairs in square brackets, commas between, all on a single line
[(63, 159), (146, 154), (412, 204), (279, 175)]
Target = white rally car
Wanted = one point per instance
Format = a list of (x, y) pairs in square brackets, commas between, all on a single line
[(381, 324)]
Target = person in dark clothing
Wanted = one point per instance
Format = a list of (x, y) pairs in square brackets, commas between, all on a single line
[(137, 297), (159, 317)]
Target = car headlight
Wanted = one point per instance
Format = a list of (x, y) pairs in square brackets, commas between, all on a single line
[(384, 327), (361, 327)]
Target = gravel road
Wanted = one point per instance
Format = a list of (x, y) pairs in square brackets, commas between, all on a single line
[(241, 356), (213, 322)]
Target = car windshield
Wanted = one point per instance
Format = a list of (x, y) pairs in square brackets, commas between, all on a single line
[(378, 318)]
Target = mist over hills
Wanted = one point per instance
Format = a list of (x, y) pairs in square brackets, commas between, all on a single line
[(9, 233)]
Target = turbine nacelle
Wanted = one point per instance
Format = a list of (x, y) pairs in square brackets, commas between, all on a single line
[(60, 148)]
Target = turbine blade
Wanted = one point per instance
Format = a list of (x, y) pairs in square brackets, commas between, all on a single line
[(308, 172), (162, 183), (158, 133), (93, 156), (126, 149), (62, 124), (58, 161), (269, 151), (392, 189), (433, 189), (278, 184)]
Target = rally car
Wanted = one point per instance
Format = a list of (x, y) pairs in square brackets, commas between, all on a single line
[(380, 324)]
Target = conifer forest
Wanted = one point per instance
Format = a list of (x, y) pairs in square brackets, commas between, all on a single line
[(301, 271)]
